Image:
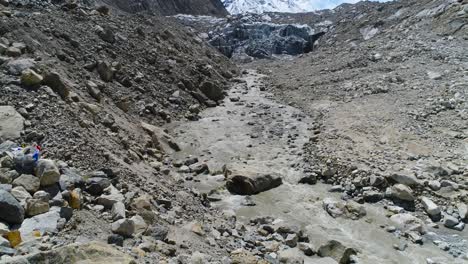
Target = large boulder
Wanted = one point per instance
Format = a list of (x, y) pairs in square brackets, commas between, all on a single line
[(29, 182), (212, 91), (97, 185), (111, 196), (58, 84), (336, 250), (47, 172), (124, 227), (246, 181), (36, 207), (404, 178), (11, 210), (11, 123), (93, 252), (408, 222), (70, 179), (50, 222), (402, 192)]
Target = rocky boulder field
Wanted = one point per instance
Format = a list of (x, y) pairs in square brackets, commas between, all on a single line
[(341, 136)]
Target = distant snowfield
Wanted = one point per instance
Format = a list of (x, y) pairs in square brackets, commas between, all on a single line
[(287, 6)]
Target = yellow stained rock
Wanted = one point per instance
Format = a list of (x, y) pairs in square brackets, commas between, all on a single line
[(75, 199), (30, 78), (14, 237)]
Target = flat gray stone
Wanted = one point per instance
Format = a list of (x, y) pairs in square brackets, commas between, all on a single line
[(11, 123)]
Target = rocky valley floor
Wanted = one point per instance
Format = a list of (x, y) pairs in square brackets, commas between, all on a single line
[(128, 139)]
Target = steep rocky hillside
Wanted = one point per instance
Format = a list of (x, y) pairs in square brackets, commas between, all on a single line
[(91, 89), (171, 7)]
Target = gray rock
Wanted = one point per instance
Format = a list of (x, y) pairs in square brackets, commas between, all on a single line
[(449, 184), (16, 67), (11, 210), (6, 187), (431, 208), (118, 211), (212, 91), (406, 222), (434, 75), (291, 256), (348, 209), (158, 232), (42, 195), (71, 178), (310, 178), (372, 196), (7, 251), (5, 146), (11, 123), (13, 52), (105, 33), (5, 176), (307, 248), (160, 138), (58, 84), (140, 224), (463, 211), (97, 185), (123, 227), (434, 185), (93, 90), (406, 179), (36, 207), (110, 197), (247, 182), (105, 70), (4, 242), (30, 182), (47, 172), (199, 168), (337, 251), (459, 227), (115, 239), (402, 192), (450, 221), (291, 240), (49, 222), (21, 195), (4, 229)]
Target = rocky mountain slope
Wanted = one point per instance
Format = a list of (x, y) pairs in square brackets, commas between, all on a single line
[(87, 91), (172, 7), (127, 138)]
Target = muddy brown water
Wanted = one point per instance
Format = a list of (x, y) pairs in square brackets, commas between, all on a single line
[(257, 131)]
